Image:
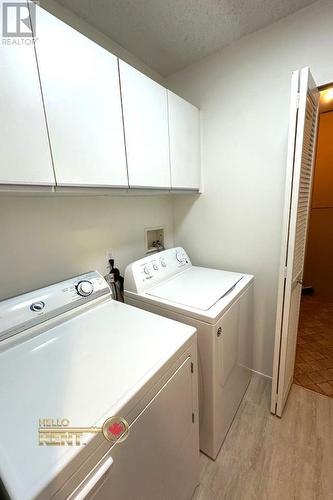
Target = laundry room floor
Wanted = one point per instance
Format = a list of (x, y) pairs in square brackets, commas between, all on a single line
[(269, 458), (314, 353)]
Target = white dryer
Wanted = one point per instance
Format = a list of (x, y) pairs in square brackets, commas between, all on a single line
[(69, 353), (220, 305)]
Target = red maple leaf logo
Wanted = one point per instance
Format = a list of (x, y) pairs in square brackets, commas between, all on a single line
[(116, 429)]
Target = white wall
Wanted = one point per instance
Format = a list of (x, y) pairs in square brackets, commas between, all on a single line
[(243, 92), (49, 238)]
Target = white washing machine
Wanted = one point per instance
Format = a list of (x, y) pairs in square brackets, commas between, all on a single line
[(220, 305)]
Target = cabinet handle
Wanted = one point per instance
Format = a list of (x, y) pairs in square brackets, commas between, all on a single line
[(219, 331), (86, 487)]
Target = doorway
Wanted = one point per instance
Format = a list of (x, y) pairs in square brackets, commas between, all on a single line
[(314, 351)]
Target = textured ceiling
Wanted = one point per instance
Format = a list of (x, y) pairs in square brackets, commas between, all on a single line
[(168, 35)]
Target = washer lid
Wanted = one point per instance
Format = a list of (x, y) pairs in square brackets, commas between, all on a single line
[(198, 287)]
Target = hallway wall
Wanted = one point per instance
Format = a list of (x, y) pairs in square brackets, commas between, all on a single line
[(318, 270)]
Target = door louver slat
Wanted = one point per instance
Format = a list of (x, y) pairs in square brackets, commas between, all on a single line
[(305, 187)]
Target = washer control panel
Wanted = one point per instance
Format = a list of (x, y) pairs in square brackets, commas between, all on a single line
[(30, 309), (153, 269)]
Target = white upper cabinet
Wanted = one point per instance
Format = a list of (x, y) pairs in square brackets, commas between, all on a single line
[(184, 130), (80, 85), (146, 129), (24, 148)]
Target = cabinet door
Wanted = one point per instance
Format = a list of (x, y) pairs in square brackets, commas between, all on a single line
[(184, 129), (24, 147), (160, 457), (80, 85), (146, 129)]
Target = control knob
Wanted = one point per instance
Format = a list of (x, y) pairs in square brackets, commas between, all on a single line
[(180, 257), (146, 270), (84, 288), (37, 306)]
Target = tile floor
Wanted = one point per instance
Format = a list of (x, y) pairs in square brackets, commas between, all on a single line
[(314, 353)]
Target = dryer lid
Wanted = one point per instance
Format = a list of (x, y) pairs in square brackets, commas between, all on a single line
[(198, 287)]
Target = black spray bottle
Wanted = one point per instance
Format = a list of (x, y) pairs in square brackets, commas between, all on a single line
[(116, 282)]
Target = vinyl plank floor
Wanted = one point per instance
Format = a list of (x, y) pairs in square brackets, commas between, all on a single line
[(268, 458)]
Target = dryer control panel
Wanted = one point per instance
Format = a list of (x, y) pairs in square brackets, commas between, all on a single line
[(30, 309), (150, 271)]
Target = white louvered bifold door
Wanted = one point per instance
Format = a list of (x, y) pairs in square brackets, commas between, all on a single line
[(300, 164)]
